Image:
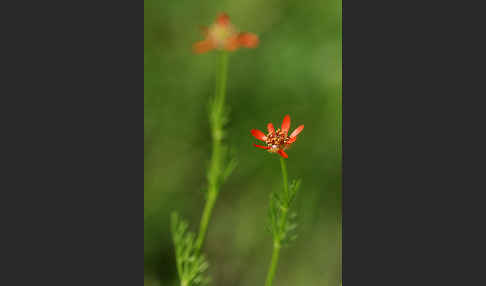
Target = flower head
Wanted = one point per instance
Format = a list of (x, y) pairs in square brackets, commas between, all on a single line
[(277, 140), (222, 35)]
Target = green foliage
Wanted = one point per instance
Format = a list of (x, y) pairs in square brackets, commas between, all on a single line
[(218, 169), (191, 264), (230, 167), (281, 220), (220, 166), (282, 223)]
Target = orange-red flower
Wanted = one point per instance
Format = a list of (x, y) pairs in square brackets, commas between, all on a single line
[(277, 141), (222, 35)]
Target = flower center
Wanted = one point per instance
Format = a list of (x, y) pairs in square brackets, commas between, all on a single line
[(220, 33), (277, 140)]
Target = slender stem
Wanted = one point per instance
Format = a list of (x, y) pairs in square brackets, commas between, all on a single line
[(283, 218), (278, 236), (223, 74), (284, 175), (215, 168), (273, 264), (208, 208)]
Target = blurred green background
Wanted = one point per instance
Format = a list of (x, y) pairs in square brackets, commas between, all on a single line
[(296, 70)]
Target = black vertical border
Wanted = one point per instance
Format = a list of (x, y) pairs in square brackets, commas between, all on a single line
[(72, 145)]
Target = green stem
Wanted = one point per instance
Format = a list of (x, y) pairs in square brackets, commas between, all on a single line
[(285, 209), (278, 237), (273, 264), (221, 85), (208, 208), (217, 113), (284, 175)]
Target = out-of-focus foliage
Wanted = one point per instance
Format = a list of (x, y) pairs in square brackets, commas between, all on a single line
[(191, 264), (295, 70)]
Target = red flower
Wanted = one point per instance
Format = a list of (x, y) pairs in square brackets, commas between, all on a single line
[(222, 35), (277, 141)]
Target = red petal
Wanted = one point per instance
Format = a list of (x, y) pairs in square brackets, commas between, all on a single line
[(231, 44), (283, 154), (263, 147), (292, 140), (248, 40), (286, 124), (258, 134), (203, 46), (270, 128), (297, 131), (223, 19)]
